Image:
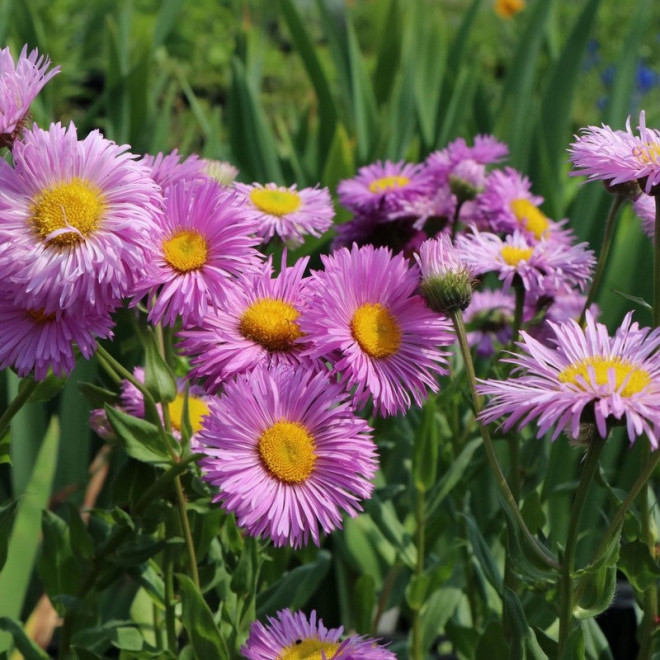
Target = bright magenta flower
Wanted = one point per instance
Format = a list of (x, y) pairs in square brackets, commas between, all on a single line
[(365, 318), (20, 82), (203, 239), (288, 453), (587, 376), (286, 212), (75, 216), (290, 635)]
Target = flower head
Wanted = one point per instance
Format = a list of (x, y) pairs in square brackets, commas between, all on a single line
[(222, 171), (586, 377), (292, 636), (383, 189), (20, 82), (288, 453), (489, 319), (255, 324), (203, 239), (365, 317), (74, 218), (288, 213), (618, 157), (167, 169)]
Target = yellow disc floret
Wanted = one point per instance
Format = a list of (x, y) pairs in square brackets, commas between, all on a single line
[(648, 154), (635, 379), (271, 323), (276, 202), (185, 250), (196, 410), (386, 183), (514, 255), (530, 217), (287, 451), (376, 329), (76, 206), (308, 649)]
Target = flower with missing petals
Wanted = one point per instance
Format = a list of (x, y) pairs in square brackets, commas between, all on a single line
[(287, 453), (292, 636), (585, 377), (287, 213), (365, 317), (20, 83)]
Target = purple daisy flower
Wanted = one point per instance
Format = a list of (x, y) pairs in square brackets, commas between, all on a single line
[(256, 324), (292, 635), (286, 212), (168, 169), (203, 239), (288, 453), (383, 189), (32, 341), (74, 217), (19, 85), (132, 402), (587, 376), (545, 268), (364, 312), (507, 204), (618, 157), (489, 319)]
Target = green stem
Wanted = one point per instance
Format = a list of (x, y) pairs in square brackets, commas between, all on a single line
[(454, 224), (539, 550), (566, 595), (519, 288), (170, 617), (21, 398), (418, 653), (608, 237)]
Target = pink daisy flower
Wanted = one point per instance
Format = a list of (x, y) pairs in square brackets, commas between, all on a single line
[(365, 317), (618, 157), (288, 213), (545, 267), (256, 324), (292, 635), (644, 207), (383, 189), (587, 376), (288, 453), (32, 341), (220, 170), (20, 83), (507, 204), (168, 169), (74, 217), (202, 240), (131, 400), (489, 319)]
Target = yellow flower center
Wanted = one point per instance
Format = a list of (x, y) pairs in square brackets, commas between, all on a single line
[(76, 206), (636, 379), (271, 323), (649, 153), (530, 217), (308, 649), (386, 183), (185, 250), (376, 330), (287, 451), (196, 410), (514, 255), (276, 202)]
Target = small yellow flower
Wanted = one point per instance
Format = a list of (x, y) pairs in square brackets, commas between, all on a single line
[(508, 8)]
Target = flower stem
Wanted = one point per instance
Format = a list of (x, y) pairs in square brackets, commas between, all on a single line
[(21, 398), (566, 595), (418, 653), (608, 237), (539, 550)]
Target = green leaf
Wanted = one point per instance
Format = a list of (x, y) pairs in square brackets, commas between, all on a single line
[(340, 163), (453, 475), (533, 513), (7, 516), (492, 643), (420, 587), (26, 531), (243, 576), (483, 554), (199, 623), (166, 20), (425, 448), (46, 389), (523, 643), (636, 299), (596, 592), (389, 53), (158, 377), (363, 593), (5, 448), (28, 649), (141, 439), (295, 588), (387, 521), (97, 396), (638, 565)]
